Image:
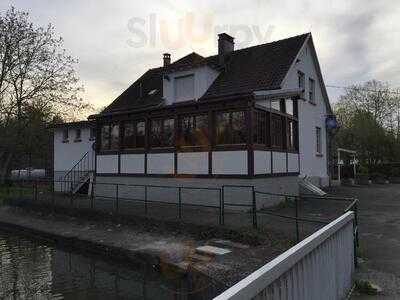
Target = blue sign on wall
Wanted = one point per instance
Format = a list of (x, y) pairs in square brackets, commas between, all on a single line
[(331, 122)]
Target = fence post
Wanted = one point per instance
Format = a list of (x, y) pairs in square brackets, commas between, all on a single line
[(35, 189), (145, 199), (116, 198), (220, 206), (21, 190), (296, 198), (92, 196), (223, 205), (52, 196), (254, 208), (180, 202)]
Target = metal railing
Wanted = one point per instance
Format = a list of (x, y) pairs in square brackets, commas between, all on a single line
[(79, 171), (110, 197), (319, 267)]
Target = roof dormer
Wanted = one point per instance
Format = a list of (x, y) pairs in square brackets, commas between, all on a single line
[(188, 78)]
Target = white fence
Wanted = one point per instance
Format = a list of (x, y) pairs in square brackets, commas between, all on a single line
[(319, 267)]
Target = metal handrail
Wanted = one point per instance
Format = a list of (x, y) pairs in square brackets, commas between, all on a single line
[(66, 175), (84, 165)]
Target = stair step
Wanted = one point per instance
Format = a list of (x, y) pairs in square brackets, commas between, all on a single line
[(212, 250)]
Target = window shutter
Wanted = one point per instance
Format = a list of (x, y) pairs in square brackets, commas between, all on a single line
[(184, 88)]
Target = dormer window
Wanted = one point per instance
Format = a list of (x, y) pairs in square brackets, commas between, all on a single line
[(65, 135), (78, 133), (184, 88)]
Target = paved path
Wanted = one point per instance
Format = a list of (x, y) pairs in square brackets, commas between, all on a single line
[(379, 228)]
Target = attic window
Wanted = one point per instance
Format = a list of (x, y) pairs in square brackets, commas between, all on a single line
[(184, 88), (152, 92)]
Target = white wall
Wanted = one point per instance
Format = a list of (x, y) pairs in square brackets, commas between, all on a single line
[(160, 163), (132, 163), (193, 163), (279, 162), (107, 164), (66, 155), (293, 162), (310, 116), (262, 162), (229, 162), (203, 78)]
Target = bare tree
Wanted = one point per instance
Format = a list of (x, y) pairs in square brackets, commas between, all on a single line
[(374, 97), (369, 116), (35, 70)]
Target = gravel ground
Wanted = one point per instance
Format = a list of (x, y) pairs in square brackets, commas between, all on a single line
[(379, 233)]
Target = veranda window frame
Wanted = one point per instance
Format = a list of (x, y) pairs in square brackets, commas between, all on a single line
[(230, 129), (162, 145), (181, 143), (135, 123)]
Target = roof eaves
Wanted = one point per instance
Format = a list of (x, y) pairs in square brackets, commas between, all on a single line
[(71, 124)]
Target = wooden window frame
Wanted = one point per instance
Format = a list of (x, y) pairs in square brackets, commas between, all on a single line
[(230, 128), (109, 148), (292, 145), (257, 140), (180, 133), (92, 133), (176, 87), (162, 130), (282, 133), (65, 137), (135, 135), (311, 90), (78, 137), (318, 141), (301, 81)]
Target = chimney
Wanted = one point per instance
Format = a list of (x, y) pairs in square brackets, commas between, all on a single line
[(167, 59), (225, 46)]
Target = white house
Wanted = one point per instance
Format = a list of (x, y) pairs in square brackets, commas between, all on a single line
[(73, 151), (254, 116)]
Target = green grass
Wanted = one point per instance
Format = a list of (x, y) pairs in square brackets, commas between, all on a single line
[(14, 192)]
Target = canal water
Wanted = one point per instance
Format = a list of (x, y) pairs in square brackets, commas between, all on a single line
[(34, 269)]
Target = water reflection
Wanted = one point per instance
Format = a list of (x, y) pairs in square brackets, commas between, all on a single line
[(30, 269)]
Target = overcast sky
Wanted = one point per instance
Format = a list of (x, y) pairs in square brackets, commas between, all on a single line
[(116, 41)]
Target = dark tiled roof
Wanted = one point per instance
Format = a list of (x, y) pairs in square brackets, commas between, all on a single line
[(145, 92), (187, 62), (259, 67), (245, 70), (191, 61)]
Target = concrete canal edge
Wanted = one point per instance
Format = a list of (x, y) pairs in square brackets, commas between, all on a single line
[(63, 231), (164, 245), (132, 257)]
